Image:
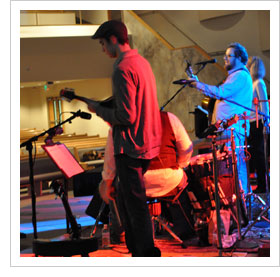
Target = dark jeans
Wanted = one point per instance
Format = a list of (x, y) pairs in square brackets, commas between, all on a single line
[(256, 149), (132, 204)]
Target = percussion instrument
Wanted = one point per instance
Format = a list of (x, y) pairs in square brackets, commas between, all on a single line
[(207, 142), (201, 186), (202, 165)]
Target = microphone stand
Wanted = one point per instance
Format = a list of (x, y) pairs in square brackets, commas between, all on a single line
[(244, 107), (189, 65), (161, 109), (217, 198), (29, 147)]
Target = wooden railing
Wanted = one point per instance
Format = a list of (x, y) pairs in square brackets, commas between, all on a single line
[(75, 143), (80, 146)]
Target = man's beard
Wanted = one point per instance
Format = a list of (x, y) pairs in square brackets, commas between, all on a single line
[(230, 66)]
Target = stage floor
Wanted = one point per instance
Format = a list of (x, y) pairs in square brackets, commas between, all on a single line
[(51, 223)]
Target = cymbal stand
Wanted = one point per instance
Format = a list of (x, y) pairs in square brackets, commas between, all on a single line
[(217, 198), (265, 207), (236, 182), (267, 178), (247, 166), (256, 101)]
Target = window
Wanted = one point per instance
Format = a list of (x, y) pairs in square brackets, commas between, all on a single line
[(55, 110)]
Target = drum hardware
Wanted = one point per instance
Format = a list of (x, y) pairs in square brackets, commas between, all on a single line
[(217, 199), (236, 182), (247, 166), (264, 209), (240, 207), (224, 199), (266, 126), (249, 196)]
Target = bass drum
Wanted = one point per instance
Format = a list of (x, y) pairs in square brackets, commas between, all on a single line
[(201, 182), (201, 189)]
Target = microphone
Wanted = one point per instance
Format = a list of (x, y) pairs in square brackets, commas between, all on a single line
[(206, 62), (182, 82), (211, 129), (231, 121), (85, 115), (82, 115)]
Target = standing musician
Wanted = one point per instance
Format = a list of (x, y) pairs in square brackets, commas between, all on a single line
[(238, 88), (260, 127), (136, 123)]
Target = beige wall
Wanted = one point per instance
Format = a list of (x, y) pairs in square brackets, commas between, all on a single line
[(34, 113), (169, 65)]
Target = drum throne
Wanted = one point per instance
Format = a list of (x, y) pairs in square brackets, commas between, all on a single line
[(173, 198)]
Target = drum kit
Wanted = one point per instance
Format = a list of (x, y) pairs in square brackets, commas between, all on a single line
[(214, 186), (213, 176)]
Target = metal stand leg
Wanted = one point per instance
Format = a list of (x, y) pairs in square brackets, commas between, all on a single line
[(240, 243), (217, 198), (97, 218), (264, 209)]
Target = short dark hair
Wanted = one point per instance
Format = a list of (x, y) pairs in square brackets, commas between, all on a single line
[(112, 28), (239, 51)]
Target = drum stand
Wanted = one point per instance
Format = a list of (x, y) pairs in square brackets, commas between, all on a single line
[(217, 199), (240, 244), (236, 183), (265, 207)]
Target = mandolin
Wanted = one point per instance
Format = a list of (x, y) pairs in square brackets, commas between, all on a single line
[(207, 102)]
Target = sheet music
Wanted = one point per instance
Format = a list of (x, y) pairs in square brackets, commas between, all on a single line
[(63, 158)]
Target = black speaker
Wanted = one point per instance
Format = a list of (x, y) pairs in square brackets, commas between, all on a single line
[(86, 183), (200, 122), (94, 208)]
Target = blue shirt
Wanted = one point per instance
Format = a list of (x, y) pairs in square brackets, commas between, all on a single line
[(238, 87)]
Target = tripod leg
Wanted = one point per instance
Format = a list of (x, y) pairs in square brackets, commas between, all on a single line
[(97, 218), (217, 198), (256, 220)]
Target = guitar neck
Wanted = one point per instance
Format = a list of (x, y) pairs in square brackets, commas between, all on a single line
[(81, 98)]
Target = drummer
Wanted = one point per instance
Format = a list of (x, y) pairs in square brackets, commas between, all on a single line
[(165, 173)]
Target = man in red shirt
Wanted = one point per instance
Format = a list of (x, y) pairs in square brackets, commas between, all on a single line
[(136, 124)]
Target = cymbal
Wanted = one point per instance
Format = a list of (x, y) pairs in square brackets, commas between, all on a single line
[(207, 142)]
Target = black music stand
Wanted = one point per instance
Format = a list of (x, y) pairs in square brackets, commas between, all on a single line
[(72, 244), (29, 147)]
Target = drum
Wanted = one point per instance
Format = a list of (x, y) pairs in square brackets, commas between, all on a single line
[(201, 185), (201, 190), (202, 165)]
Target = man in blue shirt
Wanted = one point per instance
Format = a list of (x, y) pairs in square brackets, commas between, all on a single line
[(233, 96)]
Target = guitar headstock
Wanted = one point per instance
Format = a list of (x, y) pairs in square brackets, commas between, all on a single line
[(68, 94), (189, 70)]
